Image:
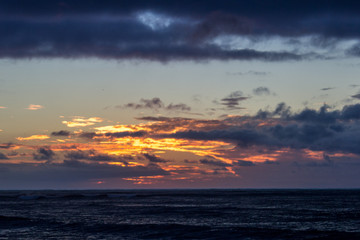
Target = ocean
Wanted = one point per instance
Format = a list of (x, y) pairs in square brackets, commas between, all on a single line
[(180, 214)]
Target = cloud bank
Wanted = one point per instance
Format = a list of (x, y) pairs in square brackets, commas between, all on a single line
[(180, 30)]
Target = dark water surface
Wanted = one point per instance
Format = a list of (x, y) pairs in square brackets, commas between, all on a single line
[(180, 214)]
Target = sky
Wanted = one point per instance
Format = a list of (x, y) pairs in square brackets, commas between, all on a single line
[(179, 94)]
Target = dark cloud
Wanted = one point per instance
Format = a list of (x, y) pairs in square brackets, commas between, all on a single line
[(154, 159), (61, 133), (259, 91), (243, 163), (156, 104), (7, 145), (281, 110), (318, 130), (178, 107), (243, 137), (327, 88), (89, 135), (44, 153), (3, 156), (356, 96), (215, 163), (164, 31), (233, 100), (70, 173), (92, 155)]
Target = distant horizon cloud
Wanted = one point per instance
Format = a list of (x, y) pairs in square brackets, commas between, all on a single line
[(34, 107), (2, 107)]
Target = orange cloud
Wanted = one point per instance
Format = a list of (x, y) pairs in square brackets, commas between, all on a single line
[(34, 107), (2, 107), (33, 137), (82, 121)]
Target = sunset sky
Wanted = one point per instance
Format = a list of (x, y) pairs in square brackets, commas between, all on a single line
[(179, 94)]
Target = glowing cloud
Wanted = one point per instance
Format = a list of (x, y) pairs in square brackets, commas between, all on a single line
[(2, 107), (154, 21), (82, 121), (34, 107), (33, 137)]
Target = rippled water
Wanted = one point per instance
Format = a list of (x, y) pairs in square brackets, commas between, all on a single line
[(180, 214)]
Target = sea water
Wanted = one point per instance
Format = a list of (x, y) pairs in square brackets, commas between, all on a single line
[(180, 214)]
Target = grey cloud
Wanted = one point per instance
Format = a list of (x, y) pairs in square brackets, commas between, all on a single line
[(156, 104), (92, 155), (256, 73), (233, 100), (72, 172), (356, 96), (281, 110), (3, 156), (267, 161), (7, 145), (259, 91), (44, 153), (327, 88), (243, 163), (61, 133), (112, 30), (89, 135), (154, 159), (178, 107), (318, 130), (215, 163)]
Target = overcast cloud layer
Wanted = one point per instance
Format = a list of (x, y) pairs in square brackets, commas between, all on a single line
[(184, 30)]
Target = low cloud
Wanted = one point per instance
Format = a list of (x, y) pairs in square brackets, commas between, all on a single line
[(44, 153)]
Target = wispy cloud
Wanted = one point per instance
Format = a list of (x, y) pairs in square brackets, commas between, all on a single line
[(261, 91), (34, 107), (82, 121), (33, 137), (232, 101), (327, 89), (156, 104), (2, 107), (255, 73)]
